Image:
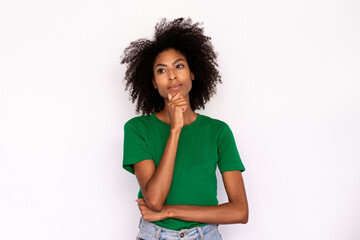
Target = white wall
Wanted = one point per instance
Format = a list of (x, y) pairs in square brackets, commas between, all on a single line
[(291, 95)]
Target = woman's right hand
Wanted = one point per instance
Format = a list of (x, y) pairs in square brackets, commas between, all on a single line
[(176, 106)]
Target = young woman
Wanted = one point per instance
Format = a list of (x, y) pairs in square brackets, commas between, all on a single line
[(172, 150)]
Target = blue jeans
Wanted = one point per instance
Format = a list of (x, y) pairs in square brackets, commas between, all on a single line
[(149, 231)]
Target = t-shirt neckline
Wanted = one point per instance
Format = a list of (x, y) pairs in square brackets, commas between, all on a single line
[(184, 127)]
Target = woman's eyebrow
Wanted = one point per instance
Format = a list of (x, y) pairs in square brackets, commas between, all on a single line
[(164, 65), (180, 59)]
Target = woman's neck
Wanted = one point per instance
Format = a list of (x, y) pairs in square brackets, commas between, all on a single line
[(189, 116)]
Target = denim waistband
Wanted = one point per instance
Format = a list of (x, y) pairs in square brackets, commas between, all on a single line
[(155, 231)]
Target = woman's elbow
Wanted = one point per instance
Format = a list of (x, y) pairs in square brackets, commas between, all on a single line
[(242, 216), (155, 205), (244, 219)]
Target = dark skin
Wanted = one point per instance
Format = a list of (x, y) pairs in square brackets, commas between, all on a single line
[(173, 79)]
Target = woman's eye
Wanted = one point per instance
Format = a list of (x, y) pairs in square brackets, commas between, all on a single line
[(160, 70), (180, 66)]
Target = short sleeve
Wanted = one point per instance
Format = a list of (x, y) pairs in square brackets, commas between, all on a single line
[(228, 154), (135, 148)]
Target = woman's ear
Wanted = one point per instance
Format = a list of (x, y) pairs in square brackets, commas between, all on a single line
[(192, 76), (154, 83)]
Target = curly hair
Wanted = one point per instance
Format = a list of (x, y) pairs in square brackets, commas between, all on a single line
[(187, 38)]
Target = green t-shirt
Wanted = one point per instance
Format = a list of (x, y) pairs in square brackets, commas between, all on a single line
[(203, 145)]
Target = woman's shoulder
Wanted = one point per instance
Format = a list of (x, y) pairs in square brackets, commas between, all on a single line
[(138, 121), (214, 121), (219, 126)]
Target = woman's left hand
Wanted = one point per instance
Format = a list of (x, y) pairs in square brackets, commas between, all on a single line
[(149, 214)]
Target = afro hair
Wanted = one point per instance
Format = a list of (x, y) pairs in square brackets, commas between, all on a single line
[(189, 39)]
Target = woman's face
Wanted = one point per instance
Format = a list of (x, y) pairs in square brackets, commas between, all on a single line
[(172, 73)]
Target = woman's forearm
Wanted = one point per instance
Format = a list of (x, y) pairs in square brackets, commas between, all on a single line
[(158, 186), (221, 214)]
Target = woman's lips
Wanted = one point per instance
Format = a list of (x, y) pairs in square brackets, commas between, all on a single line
[(176, 87)]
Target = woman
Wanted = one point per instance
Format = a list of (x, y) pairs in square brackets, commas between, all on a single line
[(172, 150)]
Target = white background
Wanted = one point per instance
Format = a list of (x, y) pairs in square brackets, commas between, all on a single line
[(290, 93)]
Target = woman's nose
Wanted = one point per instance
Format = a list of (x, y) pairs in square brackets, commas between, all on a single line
[(172, 75)]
